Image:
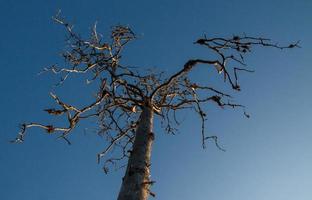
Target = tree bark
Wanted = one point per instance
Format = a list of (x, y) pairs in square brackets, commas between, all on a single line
[(136, 182)]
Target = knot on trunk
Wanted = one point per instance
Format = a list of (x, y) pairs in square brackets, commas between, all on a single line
[(151, 135), (148, 182)]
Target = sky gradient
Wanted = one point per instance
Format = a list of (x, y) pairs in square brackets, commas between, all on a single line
[(269, 156)]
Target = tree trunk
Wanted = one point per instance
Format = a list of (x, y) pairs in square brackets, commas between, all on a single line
[(136, 182)]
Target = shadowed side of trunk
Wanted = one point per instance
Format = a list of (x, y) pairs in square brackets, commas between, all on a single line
[(136, 182)]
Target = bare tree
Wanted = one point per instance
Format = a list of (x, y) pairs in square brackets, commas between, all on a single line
[(128, 99)]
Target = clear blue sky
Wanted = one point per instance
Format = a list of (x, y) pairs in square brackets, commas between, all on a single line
[(269, 156)]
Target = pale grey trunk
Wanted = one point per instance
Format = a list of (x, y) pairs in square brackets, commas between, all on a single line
[(136, 182)]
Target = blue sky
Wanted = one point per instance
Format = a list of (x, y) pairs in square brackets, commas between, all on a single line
[(269, 156)]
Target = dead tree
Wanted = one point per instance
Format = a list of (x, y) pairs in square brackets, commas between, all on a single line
[(127, 99)]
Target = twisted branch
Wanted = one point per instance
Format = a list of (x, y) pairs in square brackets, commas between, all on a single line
[(124, 91)]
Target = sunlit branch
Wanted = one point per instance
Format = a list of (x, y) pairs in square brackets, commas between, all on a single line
[(124, 91)]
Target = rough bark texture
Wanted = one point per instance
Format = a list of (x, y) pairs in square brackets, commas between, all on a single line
[(136, 182)]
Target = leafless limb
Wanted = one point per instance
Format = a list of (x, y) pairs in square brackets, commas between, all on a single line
[(123, 91)]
